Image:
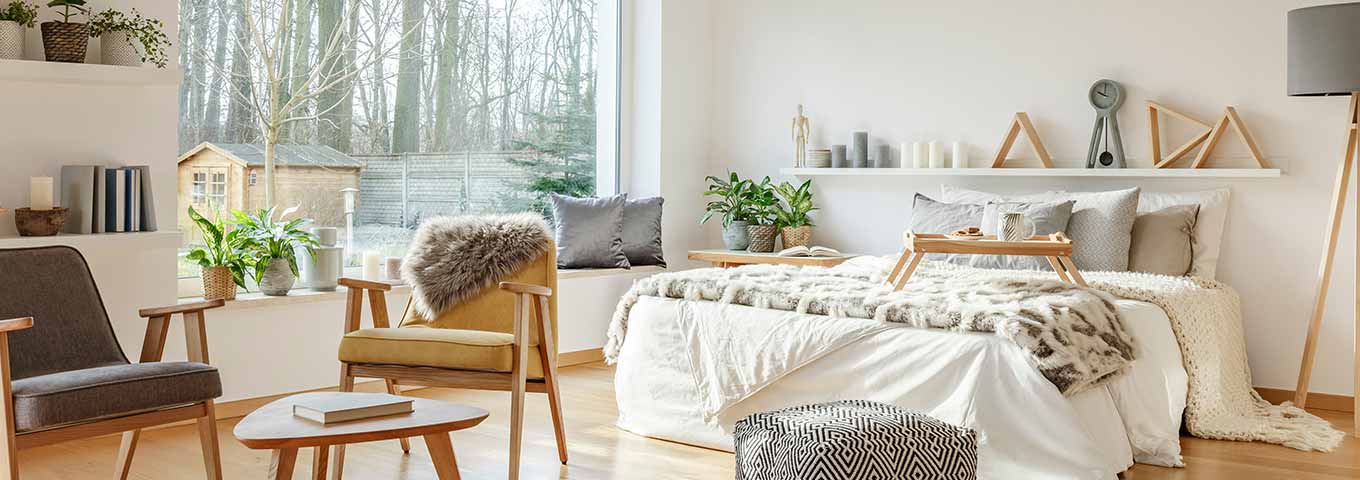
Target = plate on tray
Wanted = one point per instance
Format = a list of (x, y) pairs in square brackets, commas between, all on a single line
[(964, 237)]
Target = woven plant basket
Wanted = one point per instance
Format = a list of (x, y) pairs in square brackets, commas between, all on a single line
[(218, 284), (796, 236), (65, 42), (762, 238)]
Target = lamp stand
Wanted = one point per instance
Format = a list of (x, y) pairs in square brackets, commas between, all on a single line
[(1343, 177)]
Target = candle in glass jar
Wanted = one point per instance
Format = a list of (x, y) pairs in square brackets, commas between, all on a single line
[(40, 193), (393, 268), (918, 155), (960, 156), (372, 266), (936, 155)]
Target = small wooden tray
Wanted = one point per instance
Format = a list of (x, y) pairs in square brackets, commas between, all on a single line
[(1057, 248)]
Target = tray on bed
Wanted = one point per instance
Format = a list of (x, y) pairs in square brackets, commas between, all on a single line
[(1057, 248)]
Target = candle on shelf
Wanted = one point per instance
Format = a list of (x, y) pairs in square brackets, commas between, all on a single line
[(918, 155), (40, 193), (884, 158), (393, 268), (372, 266), (936, 155), (859, 150), (960, 156), (905, 161)]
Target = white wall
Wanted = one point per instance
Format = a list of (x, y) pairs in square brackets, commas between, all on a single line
[(923, 70)]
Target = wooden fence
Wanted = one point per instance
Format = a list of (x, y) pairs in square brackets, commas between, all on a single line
[(403, 189)]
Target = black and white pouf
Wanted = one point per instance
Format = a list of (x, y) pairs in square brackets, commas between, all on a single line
[(852, 440)]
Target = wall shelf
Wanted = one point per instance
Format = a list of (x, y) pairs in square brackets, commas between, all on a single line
[(1036, 172), (160, 238), (86, 74)]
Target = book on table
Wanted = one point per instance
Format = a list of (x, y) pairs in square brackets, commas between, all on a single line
[(351, 406), (803, 251)]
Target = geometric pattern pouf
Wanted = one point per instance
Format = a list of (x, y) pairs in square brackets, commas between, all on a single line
[(852, 440)]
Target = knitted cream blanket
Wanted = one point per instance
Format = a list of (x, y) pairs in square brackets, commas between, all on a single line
[(1205, 316)]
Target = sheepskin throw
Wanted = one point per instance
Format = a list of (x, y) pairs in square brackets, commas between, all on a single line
[(1072, 334), (454, 258)]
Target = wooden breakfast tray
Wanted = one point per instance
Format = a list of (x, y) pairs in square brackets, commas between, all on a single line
[(1056, 247)]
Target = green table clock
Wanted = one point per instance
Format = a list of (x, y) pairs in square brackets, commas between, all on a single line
[(1107, 148)]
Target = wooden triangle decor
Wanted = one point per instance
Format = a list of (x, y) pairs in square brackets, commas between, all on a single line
[(1154, 126), (1022, 122), (1230, 118)]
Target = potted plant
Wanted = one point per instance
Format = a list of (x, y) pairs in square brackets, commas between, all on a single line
[(764, 216), (222, 258), (731, 204), (14, 18), (129, 39), (273, 244), (66, 41), (795, 224)]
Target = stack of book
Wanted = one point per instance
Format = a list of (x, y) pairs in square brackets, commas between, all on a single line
[(107, 199)]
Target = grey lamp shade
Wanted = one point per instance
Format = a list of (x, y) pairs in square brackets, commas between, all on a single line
[(1324, 50)]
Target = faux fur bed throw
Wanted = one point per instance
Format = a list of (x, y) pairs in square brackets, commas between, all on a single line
[(1073, 335), (454, 258)]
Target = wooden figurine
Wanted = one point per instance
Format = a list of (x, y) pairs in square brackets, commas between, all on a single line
[(802, 128), (1020, 122)]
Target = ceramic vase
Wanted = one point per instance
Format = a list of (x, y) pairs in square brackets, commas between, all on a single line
[(762, 238), (218, 284), (11, 40), (795, 236), (118, 48), (321, 272), (277, 279), (736, 236)]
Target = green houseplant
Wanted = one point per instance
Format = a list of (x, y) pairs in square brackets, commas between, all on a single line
[(64, 40), (14, 18), (731, 204), (222, 257), (764, 216), (273, 244), (794, 220), (129, 39)]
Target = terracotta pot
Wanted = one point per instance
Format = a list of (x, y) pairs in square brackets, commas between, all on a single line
[(795, 236), (762, 238), (39, 223), (218, 284), (277, 279), (65, 42)]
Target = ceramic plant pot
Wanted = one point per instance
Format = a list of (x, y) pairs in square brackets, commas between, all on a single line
[(277, 279), (762, 238), (735, 235), (795, 236), (119, 48), (65, 42), (218, 284), (11, 40)]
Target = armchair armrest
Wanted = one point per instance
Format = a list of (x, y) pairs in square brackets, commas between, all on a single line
[(181, 308), (526, 289), (365, 284), (15, 324), (354, 302)]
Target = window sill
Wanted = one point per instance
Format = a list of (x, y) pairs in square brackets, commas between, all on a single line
[(568, 274)]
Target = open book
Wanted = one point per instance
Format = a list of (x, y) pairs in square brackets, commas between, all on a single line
[(802, 251)]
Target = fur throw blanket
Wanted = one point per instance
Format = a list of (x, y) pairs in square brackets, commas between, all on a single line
[(452, 259), (1072, 334)]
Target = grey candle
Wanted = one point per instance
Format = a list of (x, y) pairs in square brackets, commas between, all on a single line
[(860, 150), (884, 158), (838, 156)]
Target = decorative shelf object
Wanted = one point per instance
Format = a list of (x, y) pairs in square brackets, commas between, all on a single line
[(1036, 172), (86, 74), (1022, 123)]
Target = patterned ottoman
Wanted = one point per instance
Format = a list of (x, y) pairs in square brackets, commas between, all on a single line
[(852, 440)]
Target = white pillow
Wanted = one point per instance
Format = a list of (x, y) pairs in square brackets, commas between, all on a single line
[(1208, 233)]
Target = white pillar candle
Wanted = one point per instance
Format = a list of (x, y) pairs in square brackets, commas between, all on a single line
[(918, 155), (960, 156), (905, 160), (40, 193), (372, 266), (936, 155)]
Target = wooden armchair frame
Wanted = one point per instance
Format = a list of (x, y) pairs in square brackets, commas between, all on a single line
[(527, 297), (158, 326)]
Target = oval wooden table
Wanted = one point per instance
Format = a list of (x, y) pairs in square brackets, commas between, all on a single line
[(273, 427)]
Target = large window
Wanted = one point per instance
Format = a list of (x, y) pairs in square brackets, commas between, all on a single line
[(425, 107)]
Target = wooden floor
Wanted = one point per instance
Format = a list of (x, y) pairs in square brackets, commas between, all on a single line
[(598, 449)]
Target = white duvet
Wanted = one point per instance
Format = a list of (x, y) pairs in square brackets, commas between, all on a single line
[(690, 369)]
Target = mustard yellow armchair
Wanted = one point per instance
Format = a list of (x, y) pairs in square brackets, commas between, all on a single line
[(501, 339)]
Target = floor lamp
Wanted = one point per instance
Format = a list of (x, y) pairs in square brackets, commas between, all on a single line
[(1324, 60)]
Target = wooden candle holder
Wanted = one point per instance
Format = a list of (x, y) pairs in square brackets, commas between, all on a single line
[(39, 223)]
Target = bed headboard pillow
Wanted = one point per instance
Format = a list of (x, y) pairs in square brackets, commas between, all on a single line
[(1101, 224), (930, 216), (1048, 217), (1163, 241), (1209, 224)]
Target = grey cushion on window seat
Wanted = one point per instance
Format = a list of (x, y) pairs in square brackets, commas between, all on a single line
[(114, 390)]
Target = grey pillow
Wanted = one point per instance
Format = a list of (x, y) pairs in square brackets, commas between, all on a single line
[(1163, 241), (1048, 218), (930, 216), (642, 232), (1101, 224), (589, 231)]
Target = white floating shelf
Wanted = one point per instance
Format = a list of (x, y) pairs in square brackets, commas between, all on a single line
[(1036, 172), (34, 71), (160, 238)]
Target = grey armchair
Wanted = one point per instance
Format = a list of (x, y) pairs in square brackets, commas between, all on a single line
[(63, 375)]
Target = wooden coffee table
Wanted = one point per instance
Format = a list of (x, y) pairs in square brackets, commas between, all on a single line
[(274, 427)]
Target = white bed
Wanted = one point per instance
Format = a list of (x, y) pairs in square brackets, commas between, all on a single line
[(1028, 429)]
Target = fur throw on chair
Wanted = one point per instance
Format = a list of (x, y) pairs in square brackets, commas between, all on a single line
[(452, 259)]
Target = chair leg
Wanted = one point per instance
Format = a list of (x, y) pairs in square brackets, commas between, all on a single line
[(125, 451), (516, 422), (338, 462), (9, 451), (547, 355), (555, 406), (207, 437), (392, 390)]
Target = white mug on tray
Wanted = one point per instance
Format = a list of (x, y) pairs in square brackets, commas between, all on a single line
[(1011, 227)]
